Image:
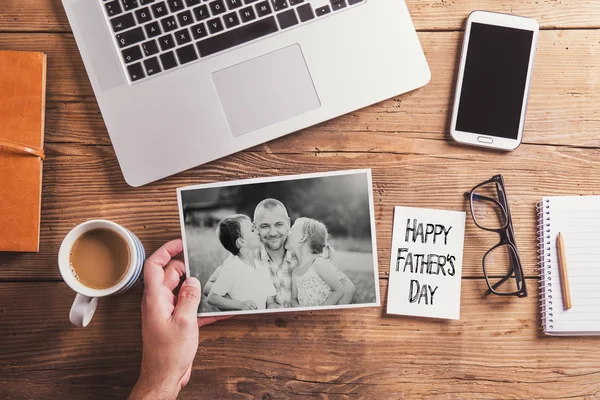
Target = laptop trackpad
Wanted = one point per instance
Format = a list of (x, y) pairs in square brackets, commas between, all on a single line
[(266, 90)]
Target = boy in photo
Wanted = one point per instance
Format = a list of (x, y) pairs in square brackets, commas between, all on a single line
[(247, 285)]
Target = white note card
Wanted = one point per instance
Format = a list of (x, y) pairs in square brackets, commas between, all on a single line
[(426, 265)]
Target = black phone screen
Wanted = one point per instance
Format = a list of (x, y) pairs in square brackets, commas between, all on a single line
[(494, 79)]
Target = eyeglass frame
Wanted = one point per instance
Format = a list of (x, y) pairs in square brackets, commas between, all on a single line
[(507, 238)]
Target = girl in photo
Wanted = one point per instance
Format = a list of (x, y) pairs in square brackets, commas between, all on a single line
[(314, 279)]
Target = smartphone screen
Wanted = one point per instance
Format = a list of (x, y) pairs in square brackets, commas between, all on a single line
[(494, 80)]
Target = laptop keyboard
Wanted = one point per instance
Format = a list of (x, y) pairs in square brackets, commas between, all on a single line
[(154, 36)]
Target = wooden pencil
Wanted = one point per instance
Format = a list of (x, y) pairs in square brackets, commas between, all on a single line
[(564, 275)]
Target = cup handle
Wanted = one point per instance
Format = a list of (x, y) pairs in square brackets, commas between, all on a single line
[(82, 310)]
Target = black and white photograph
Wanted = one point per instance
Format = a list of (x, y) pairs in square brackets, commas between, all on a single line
[(292, 243)]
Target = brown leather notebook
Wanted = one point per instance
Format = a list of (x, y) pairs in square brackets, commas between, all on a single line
[(22, 105)]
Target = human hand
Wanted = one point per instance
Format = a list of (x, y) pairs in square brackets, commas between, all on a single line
[(248, 305), (169, 325)]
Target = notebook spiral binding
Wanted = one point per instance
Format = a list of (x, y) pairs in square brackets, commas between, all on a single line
[(544, 261)]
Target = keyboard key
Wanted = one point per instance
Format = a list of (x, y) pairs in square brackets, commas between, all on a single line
[(166, 42), (122, 22), (150, 48), (233, 4), (183, 36), (217, 7), (152, 66), (249, 1), (287, 18), (322, 11), (235, 37), (352, 2), (186, 54), (160, 9), (247, 14), (113, 8), (215, 25), (130, 4), (132, 54), (263, 8), (338, 4), (199, 31), (231, 20), (305, 12), (279, 5), (201, 12), (152, 29), (136, 72), (144, 2), (130, 37), (175, 5), (185, 18), (295, 2), (192, 3), (168, 24), (168, 60), (143, 15)]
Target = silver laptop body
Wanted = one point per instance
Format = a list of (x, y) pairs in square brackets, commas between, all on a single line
[(184, 82)]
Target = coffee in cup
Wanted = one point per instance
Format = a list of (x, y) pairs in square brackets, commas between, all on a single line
[(99, 258), (96, 259)]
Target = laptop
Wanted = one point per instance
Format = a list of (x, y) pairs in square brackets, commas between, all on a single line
[(184, 82)]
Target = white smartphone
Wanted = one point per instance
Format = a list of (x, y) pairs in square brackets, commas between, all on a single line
[(493, 80)]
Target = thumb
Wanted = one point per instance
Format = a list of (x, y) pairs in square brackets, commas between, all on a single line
[(188, 300)]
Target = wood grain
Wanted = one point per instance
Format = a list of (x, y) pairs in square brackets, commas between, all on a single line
[(406, 171), (564, 105), (49, 15), (496, 348)]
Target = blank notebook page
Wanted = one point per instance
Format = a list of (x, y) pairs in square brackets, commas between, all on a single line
[(578, 219)]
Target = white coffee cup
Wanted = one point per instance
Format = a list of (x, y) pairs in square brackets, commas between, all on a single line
[(85, 303)]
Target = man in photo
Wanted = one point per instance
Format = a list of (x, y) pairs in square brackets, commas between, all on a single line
[(241, 284), (272, 221)]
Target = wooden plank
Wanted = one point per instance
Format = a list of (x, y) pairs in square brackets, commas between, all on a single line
[(495, 350), (564, 106), (33, 16), (49, 15), (550, 14), (424, 173)]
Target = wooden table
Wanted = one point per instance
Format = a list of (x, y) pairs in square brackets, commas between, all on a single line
[(496, 350)]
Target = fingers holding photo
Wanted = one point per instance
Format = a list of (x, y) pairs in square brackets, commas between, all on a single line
[(174, 271), (154, 273)]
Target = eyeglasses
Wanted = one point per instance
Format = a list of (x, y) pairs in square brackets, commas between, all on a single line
[(502, 266)]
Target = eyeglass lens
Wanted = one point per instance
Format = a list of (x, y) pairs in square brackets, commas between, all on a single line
[(499, 265), (486, 206)]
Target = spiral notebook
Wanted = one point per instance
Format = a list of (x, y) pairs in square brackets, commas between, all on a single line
[(578, 219)]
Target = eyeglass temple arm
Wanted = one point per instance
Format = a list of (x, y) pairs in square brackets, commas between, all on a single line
[(514, 270), (519, 276), (501, 281), (502, 197), (514, 263)]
